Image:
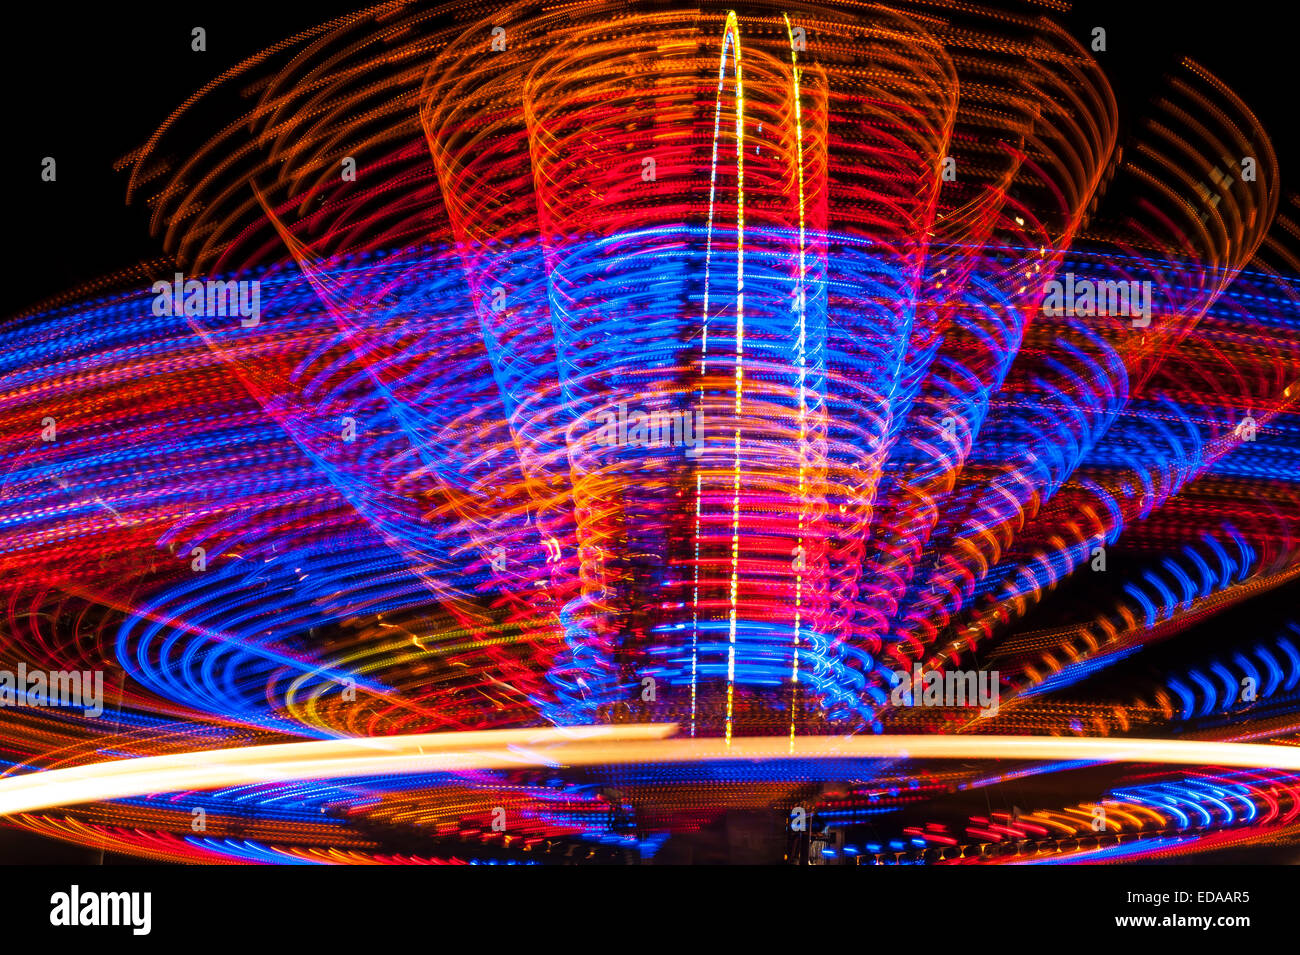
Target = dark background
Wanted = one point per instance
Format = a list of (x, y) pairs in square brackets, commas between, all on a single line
[(88, 85)]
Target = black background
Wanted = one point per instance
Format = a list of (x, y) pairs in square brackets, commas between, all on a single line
[(88, 85)]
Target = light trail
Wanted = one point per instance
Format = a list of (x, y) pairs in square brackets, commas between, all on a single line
[(571, 747)]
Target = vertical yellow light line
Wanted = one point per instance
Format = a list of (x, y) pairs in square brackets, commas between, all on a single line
[(801, 354), (730, 39), (733, 30)]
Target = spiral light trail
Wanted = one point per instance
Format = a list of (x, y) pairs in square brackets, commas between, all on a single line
[(617, 369)]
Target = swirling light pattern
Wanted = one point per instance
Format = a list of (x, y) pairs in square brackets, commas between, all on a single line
[(686, 367)]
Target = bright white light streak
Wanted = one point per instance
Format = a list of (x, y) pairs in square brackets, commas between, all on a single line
[(575, 746)]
